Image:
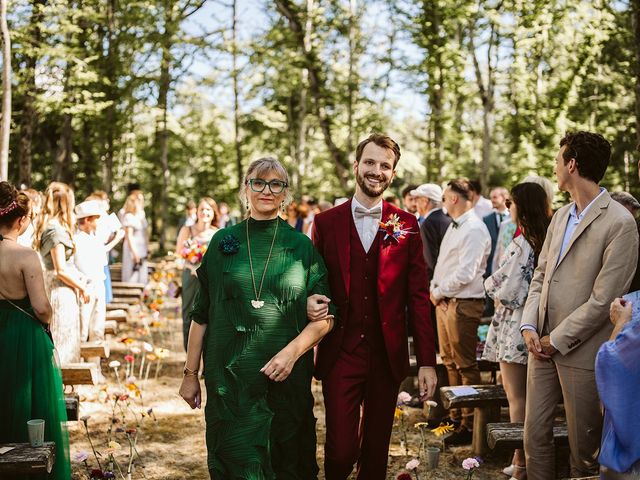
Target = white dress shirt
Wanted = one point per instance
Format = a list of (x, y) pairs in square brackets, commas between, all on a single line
[(483, 207), (89, 256), (367, 227), (462, 260)]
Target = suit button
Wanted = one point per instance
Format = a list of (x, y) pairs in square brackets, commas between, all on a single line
[(362, 335), (366, 298), (366, 316)]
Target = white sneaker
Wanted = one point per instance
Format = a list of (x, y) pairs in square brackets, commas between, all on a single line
[(508, 471)]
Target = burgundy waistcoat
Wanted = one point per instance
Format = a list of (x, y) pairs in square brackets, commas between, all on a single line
[(363, 323)]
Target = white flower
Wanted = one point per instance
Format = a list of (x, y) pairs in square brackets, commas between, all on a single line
[(470, 463), (412, 464), (114, 364), (403, 397), (148, 347)]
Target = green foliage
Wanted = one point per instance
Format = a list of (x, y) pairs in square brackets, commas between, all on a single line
[(87, 90)]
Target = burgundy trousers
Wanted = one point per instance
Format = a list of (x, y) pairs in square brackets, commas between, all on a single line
[(360, 396)]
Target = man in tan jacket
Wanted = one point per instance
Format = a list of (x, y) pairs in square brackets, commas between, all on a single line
[(588, 259)]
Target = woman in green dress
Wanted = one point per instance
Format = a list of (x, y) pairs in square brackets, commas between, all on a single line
[(31, 384), (251, 323)]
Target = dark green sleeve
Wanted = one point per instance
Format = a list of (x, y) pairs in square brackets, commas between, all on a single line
[(317, 279), (200, 310)]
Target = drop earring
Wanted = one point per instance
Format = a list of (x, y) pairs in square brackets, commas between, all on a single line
[(283, 207), (247, 205)]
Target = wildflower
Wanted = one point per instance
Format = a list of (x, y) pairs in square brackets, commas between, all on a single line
[(128, 358), (148, 347), (130, 379), (114, 364), (135, 350), (442, 429), (470, 463), (80, 457), (403, 398), (130, 431), (84, 419), (412, 464)]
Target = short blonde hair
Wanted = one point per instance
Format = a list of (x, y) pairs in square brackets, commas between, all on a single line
[(261, 167)]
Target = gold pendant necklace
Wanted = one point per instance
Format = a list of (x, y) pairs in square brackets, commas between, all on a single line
[(257, 303)]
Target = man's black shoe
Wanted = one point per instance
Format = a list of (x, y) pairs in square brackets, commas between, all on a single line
[(462, 436), (434, 423)]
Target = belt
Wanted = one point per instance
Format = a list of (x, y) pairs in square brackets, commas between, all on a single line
[(456, 299)]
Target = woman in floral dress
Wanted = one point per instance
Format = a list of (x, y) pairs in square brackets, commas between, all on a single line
[(509, 287), (191, 238)]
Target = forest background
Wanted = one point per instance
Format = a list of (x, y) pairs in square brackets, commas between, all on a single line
[(180, 95)]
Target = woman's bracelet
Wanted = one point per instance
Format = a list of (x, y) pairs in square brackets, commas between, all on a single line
[(187, 372)]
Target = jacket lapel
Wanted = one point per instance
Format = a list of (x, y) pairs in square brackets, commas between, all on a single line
[(385, 247), (594, 212), (343, 243)]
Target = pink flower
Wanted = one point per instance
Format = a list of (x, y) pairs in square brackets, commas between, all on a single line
[(412, 464), (128, 358), (80, 457), (470, 463), (403, 397)]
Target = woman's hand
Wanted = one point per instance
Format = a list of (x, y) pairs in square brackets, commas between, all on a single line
[(190, 391), (83, 296), (620, 311), (318, 307), (280, 366)]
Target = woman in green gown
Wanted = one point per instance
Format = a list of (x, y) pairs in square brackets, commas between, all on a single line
[(250, 322), (30, 381)]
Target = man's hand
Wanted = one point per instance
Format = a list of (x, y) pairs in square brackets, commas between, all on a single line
[(532, 341), (427, 380), (620, 311), (318, 308), (547, 348)]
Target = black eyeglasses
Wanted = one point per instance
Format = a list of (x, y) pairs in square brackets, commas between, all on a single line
[(275, 186), (507, 203)]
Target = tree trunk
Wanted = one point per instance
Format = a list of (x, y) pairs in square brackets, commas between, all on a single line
[(162, 138), (351, 87), (62, 167), (5, 123), (636, 28), (28, 119), (107, 166), (236, 94), (317, 88)]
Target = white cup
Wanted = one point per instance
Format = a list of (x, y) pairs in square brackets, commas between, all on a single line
[(36, 432)]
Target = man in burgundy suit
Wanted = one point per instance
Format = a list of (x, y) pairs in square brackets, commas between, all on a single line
[(378, 280)]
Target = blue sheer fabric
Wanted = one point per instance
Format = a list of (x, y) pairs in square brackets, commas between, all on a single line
[(618, 379)]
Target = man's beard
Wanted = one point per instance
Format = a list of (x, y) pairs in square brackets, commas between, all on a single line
[(370, 192)]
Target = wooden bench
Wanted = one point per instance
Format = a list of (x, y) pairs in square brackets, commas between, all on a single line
[(126, 301), (72, 403), (110, 327), (79, 374), (117, 306), (94, 349), (127, 285), (27, 460), (511, 435), (486, 402), (127, 292), (119, 315)]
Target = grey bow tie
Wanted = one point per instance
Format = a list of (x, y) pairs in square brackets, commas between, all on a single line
[(361, 213)]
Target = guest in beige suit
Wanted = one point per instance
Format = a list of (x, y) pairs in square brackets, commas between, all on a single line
[(588, 259)]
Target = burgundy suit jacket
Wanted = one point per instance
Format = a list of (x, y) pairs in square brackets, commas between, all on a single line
[(402, 289)]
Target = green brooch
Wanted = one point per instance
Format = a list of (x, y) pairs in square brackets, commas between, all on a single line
[(229, 245)]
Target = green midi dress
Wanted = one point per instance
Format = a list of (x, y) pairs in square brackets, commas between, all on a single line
[(30, 385), (258, 429)]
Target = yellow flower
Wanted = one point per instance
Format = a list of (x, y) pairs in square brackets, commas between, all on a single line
[(442, 429), (398, 413), (420, 425), (114, 445)]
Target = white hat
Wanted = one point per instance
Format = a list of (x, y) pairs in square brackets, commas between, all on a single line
[(90, 208), (428, 190)]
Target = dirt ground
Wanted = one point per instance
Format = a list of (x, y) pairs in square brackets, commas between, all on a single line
[(170, 441)]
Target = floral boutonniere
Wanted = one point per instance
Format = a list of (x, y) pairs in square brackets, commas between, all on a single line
[(229, 245), (393, 228)]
